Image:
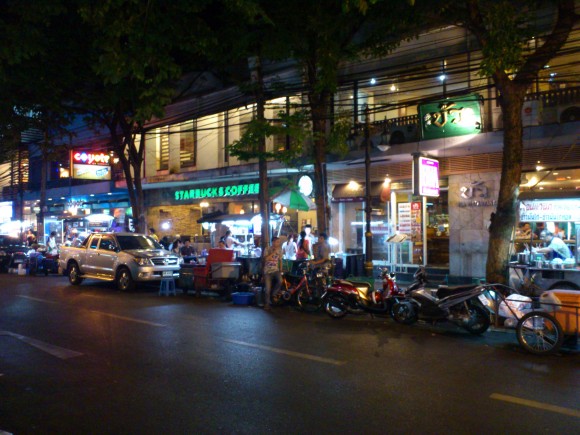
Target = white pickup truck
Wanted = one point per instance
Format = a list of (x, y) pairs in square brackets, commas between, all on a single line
[(123, 258)]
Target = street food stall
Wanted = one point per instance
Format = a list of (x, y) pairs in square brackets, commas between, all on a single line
[(531, 263)]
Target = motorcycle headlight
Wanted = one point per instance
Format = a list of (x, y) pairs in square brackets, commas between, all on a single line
[(143, 261)]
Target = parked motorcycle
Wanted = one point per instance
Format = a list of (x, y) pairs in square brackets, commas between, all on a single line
[(459, 305), (344, 297)]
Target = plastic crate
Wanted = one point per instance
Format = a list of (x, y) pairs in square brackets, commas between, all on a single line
[(242, 298)]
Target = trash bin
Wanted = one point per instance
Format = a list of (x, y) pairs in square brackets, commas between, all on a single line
[(185, 281)]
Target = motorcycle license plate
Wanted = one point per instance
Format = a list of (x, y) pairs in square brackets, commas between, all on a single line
[(168, 273)]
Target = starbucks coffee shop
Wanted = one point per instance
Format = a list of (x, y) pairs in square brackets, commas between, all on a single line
[(187, 210)]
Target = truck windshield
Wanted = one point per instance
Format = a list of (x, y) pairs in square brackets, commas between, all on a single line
[(136, 242)]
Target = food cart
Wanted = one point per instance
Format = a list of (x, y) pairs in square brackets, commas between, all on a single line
[(536, 272)]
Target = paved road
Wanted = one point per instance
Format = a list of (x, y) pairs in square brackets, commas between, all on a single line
[(91, 360)]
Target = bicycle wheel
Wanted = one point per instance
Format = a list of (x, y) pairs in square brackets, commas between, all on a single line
[(308, 299), (539, 333)]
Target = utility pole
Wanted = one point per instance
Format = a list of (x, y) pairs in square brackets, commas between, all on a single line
[(368, 205)]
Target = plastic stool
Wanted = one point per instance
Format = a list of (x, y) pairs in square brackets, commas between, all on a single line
[(167, 287)]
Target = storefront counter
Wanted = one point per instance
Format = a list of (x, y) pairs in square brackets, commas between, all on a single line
[(548, 278)]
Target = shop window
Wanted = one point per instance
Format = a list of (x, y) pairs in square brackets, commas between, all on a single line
[(187, 145)]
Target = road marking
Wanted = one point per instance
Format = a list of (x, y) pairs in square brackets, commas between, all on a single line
[(289, 353), (533, 404), (38, 299), (129, 319), (57, 351)]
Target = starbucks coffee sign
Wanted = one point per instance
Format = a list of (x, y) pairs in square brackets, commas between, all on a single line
[(229, 191)]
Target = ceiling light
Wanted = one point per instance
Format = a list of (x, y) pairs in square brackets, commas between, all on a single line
[(373, 81)]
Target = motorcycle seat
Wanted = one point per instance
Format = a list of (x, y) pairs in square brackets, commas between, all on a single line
[(443, 292)]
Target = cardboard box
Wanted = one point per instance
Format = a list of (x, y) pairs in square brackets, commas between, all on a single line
[(225, 270), (564, 305)]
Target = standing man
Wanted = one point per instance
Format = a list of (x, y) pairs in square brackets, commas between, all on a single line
[(153, 235), (321, 251), (272, 270)]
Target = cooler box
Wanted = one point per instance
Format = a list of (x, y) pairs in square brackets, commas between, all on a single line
[(225, 270), (566, 315)]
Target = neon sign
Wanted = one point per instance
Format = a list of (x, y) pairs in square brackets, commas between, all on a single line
[(218, 192), (87, 165), (88, 158)]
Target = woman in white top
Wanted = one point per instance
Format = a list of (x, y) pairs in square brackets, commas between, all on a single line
[(289, 248)]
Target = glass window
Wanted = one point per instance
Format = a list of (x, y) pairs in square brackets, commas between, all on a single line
[(187, 136), (107, 244), (162, 151), (94, 242)]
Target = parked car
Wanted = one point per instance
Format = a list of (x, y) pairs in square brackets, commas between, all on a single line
[(12, 252), (123, 258)]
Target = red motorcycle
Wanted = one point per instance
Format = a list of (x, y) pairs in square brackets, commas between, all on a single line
[(344, 297)]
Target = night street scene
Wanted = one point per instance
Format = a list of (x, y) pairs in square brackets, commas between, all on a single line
[(289, 217)]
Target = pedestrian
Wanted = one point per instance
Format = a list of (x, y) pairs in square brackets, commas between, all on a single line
[(321, 252), (51, 245), (308, 230), (272, 271), (556, 248), (30, 238), (176, 247), (153, 235), (230, 240), (289, 248), (303, 250), (187, 250)]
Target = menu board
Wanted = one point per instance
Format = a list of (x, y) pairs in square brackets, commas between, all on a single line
[(404, 218)]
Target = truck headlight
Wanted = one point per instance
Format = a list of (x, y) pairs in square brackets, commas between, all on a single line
[(143, 261)]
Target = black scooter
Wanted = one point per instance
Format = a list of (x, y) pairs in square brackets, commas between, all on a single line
[(459, 305)]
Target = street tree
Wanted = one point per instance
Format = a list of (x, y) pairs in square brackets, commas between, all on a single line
[(504, 29), (139, 52), (41, 64), (321, 36)]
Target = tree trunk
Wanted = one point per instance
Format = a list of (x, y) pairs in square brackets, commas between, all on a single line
[(504, 218), (255, 64), (320, 108)]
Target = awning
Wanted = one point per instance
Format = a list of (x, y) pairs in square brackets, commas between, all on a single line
[(356, 192)]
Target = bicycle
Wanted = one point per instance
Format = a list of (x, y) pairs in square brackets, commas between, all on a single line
[(306, 292)]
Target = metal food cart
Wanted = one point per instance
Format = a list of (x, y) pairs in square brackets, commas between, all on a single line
[(547, 211)]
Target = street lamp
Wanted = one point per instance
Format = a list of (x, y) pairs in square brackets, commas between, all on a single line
[(368, 205)]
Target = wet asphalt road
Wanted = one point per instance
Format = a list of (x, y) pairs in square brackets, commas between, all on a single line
[(90, 360)]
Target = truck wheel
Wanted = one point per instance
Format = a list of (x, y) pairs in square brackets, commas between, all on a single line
[(74, 274), (125, 280)]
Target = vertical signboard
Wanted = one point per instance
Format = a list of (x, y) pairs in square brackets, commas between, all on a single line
[(425, 176)]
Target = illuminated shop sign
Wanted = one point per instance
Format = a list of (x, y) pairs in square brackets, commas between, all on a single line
[(218, 192), (425, 176), (550, 210), (451, 117), (89, 165)]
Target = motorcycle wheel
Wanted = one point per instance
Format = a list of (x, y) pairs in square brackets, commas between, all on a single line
[(404, 312), (478, 320), (539, 333), (308, 300), (335, 306)]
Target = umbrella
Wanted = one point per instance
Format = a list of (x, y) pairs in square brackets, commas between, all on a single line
[(294, 199)]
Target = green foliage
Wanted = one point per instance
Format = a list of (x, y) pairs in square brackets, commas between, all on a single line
[(294, 125), (336, 141), (507, 31)]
